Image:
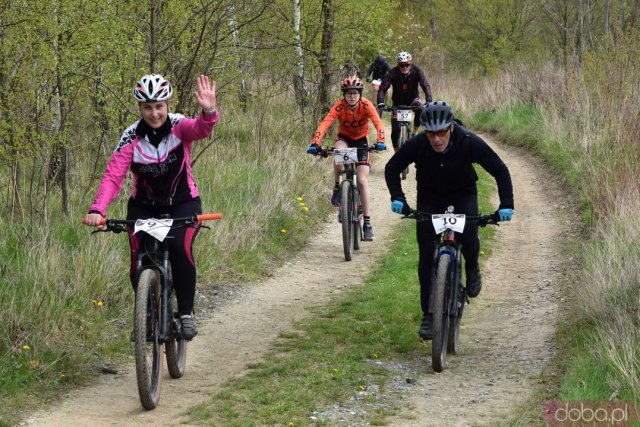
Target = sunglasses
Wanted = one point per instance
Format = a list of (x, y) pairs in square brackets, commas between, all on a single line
[(404, 65), (440, 133)]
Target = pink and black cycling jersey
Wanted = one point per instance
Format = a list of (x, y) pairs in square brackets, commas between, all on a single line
[(162, 174)]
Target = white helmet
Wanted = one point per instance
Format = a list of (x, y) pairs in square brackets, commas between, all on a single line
[(152, 87), (404, 57)]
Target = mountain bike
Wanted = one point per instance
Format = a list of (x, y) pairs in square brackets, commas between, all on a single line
[(448, 294), (350, 210), (404, 115), (156, 324)]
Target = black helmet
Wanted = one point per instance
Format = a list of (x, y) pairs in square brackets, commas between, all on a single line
[(436, 116)]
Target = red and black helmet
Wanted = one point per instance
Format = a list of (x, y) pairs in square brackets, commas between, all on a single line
[(352, 82)]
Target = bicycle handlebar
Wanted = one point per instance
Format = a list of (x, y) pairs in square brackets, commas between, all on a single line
[(324, 152), (403, 107), (187, 219), (481, 220)]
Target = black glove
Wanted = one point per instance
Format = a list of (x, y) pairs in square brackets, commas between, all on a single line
[(406, 209), (382, 106)]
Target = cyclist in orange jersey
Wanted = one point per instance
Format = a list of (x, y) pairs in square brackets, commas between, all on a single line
[(353, 113)]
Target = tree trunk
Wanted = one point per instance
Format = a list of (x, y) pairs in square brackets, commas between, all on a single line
[(325, 59), (243, 62), (64, 151), (154, 14), (580, 35), (299, 85), (607, 4), (58, 161), (588, 23)]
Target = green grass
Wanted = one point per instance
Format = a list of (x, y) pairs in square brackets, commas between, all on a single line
[(517, 126)]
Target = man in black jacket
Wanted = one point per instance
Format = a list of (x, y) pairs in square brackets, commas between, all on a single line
[(405, 79), (444, 157)]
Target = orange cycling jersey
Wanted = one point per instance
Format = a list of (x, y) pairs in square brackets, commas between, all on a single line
[(353, 124)]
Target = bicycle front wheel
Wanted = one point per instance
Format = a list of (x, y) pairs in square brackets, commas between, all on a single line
[(440, 313), (404, 136), (357, 221), (148, 351), (176, 346), (346, 217)]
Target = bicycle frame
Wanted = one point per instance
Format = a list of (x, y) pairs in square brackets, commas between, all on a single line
[(449, 246), (145, 259)]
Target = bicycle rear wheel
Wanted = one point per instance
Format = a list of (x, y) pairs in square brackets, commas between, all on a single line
[(440, 313), (148, 351), (404, 136), (454, 325), (346, 217), (176, 346)]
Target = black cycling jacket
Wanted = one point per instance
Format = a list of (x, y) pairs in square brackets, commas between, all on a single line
[(405, 86), (440, 176), (378, 69)]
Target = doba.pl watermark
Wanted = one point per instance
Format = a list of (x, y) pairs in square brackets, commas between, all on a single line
[(591, 413)]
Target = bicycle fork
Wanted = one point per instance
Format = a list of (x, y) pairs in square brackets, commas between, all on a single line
[(452, 297)]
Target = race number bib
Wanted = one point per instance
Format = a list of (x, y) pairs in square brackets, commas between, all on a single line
[(442, 222), (345, 156), (405, 115), (158, 228)]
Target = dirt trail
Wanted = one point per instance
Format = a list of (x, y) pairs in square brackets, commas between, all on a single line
[(507, 335), (506, 339)]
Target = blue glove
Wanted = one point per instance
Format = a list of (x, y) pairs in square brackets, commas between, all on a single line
[(313, 149), (397, 206), (505, 214), (380, 146)]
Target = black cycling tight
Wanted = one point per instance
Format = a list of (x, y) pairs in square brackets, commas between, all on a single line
[(466, 203), (180, 247)]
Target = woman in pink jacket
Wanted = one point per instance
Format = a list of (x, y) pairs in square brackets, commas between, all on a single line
[(157, 150)]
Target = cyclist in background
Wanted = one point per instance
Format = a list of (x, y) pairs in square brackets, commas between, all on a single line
[(377, 72), (350, 68), (157, 150), (353, 113), (404, 79), (444, 157)]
